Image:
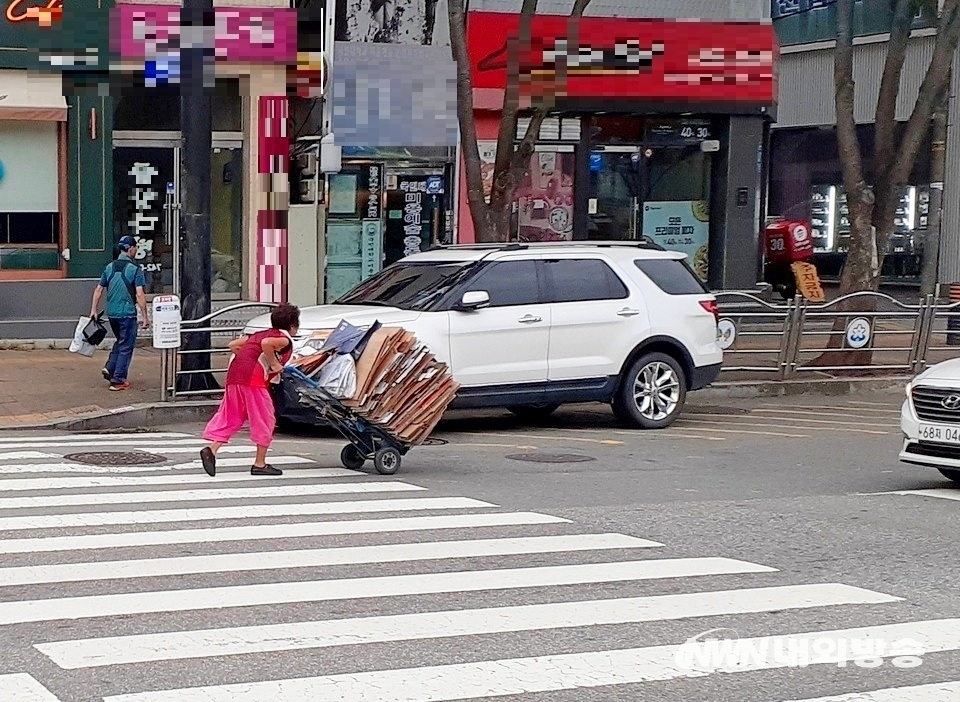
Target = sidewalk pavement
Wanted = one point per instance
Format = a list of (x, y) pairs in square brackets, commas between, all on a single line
[(56, 389)]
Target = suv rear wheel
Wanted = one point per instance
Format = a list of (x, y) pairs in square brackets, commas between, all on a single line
[(652, 392), (533, 413)]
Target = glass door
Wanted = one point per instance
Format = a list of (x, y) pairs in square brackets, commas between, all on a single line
[(616, 185), (146, 206), (226, 221)]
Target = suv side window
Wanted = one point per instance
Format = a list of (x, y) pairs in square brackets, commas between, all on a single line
[(508, 283), (580, 280), (671, 275)]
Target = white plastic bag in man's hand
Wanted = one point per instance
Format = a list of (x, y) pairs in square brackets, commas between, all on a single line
[(338, 376), (79, 344)]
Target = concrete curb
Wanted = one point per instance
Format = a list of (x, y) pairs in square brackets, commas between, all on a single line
[(156, 414)]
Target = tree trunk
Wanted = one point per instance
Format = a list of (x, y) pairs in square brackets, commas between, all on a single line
[(492, 220)]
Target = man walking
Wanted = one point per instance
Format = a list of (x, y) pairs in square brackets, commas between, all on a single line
[(123, 282)]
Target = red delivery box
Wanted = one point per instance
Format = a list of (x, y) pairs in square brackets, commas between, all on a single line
[(787, 241)]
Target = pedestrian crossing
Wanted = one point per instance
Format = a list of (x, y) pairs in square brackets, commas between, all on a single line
[(109, 573)]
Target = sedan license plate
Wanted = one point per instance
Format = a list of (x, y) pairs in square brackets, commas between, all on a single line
[(939, 433)]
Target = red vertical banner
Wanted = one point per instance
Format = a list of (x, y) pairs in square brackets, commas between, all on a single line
[(273, 149)]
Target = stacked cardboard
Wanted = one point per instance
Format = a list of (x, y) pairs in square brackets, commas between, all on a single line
[(401, 387)]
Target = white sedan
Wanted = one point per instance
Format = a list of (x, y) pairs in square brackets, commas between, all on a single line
[(930, 419)]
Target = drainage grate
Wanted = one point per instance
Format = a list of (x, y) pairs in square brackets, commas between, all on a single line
[(550, 458), (116, 458)]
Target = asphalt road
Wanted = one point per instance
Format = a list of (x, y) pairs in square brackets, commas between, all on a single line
[(478, 573)]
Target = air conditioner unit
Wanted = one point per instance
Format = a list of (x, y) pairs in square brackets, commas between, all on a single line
[(307, 164), (308, 190)]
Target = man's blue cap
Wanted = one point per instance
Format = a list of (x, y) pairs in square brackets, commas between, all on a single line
[(126, 243)]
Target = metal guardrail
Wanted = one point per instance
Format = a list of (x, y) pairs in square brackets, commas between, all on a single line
[(758, 336), (876, 332), (220, 323)]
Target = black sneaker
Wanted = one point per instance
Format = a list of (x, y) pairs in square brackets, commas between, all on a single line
[(265, 470), (107, 375), (209, 461)]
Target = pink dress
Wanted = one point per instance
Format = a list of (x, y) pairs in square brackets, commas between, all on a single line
[(246, 396)]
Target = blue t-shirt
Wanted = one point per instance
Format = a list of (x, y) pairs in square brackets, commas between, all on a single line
[(119, 302)]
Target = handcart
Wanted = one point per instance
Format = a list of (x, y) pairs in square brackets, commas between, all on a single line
[(367, 441)]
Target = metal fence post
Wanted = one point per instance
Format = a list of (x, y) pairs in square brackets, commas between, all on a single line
[(797, 317), (928, 313), (782, 356)]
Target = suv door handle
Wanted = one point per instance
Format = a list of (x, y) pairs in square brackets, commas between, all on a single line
[(529, 319), (627, 312)]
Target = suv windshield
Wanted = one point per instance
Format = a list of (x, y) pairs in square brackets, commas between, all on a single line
[(409, 286)]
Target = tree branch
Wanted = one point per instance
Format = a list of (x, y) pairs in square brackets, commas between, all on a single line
[(935, 80), (885, 120), (578, 7)]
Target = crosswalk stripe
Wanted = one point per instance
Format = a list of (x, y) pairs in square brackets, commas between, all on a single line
[(84, 607), (315, 558), (131, 443), (210, 643), (20, 687), (62, 467), (932, 692), (95, 481), (25, 455), (200, 514), (140, 436), (940, 493), (547, 673), (285, 531), (202, 495)]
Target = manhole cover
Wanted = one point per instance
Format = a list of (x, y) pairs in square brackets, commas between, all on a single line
[(550, 458), (116, 458)]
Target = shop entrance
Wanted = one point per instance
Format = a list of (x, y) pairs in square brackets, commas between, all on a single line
[(146, 200), (662, 193)]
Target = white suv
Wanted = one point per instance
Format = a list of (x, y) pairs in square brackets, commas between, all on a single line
[(532, 326)]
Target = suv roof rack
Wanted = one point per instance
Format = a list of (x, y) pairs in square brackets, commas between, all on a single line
[(643, 243)]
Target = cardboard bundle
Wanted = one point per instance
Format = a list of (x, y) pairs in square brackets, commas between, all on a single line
[(401, 387)]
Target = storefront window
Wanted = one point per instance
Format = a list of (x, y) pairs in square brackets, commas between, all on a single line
[(141, 108), (29, 198), (806, 182), (545, 197)]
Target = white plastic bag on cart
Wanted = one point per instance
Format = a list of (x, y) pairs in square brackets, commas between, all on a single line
[(79, 344), (338, 376)]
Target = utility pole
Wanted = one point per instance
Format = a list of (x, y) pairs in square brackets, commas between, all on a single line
[(196, 125), (938, 158)]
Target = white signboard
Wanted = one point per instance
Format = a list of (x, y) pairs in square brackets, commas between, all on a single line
[(858, 333), (682, 226), (726, 333), (166, 322)]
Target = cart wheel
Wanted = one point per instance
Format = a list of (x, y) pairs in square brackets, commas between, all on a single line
[(351, 457), (387, 461)]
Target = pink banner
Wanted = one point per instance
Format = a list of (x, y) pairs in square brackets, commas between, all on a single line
[(242, 34)]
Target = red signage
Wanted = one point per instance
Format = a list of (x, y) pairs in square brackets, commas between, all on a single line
[(20, 10), (629, 58)]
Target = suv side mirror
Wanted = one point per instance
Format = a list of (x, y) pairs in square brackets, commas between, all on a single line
[(473, 301)]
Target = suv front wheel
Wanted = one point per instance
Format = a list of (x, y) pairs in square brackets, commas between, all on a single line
[(651, 393)]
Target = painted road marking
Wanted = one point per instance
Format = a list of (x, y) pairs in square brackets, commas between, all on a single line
[(761, 410), (668, 433), (551, 673), (933, 692), (686, 423), (316, 558), (98, 481), (90, 606), (699, 421), (203, 495), (387, 525), (201, 514), (25, 455), (94, 437), (20, 687), (130, 444), (835, 408), (232, 641), (560, 437), (828, 422), (940, 493)]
